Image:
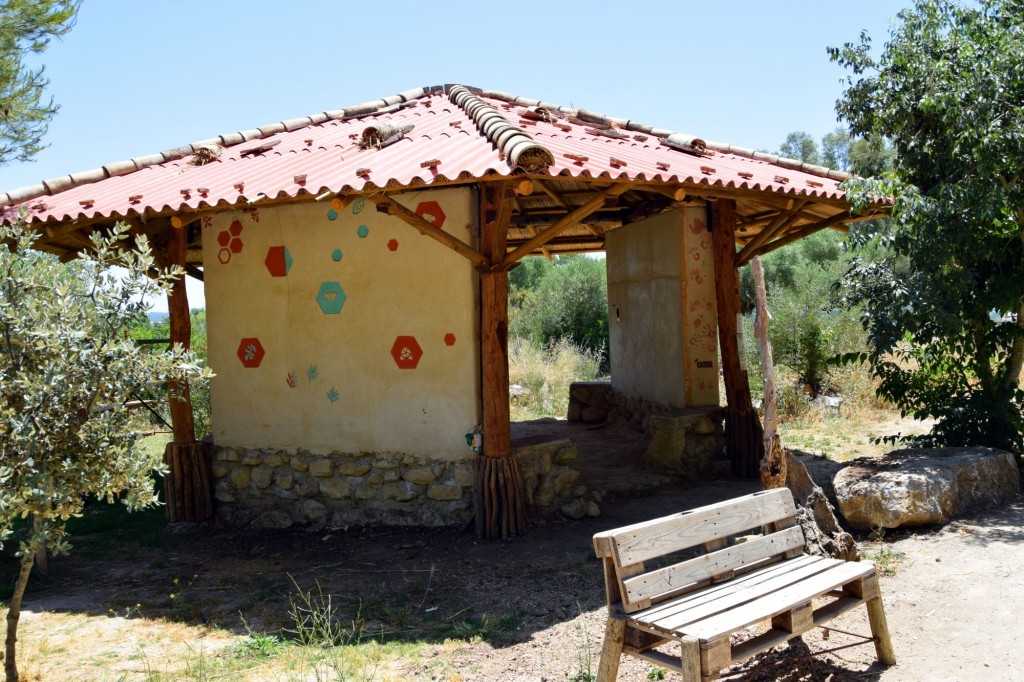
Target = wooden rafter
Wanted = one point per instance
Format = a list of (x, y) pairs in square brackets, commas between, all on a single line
[(395, 209), (496, 199), (778, 225), (565, 223), (802, 232)]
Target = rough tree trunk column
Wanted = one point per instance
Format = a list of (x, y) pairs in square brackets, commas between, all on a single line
[(742, 427), (773, 465), (187, 481), (499, 493)]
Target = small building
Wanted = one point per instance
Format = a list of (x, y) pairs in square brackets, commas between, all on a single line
[(356, 272)]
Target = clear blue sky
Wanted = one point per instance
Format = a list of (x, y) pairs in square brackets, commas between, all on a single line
[(133, 78)]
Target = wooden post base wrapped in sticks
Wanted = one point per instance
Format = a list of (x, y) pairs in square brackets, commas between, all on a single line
[(187, 488), (500, 500)]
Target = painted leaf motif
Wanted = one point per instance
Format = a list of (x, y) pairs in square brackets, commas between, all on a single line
[(291, 379), (333, 395), (312, 372)]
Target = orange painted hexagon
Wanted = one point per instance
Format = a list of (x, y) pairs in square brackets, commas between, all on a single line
[(432, 212), (449, 339), (250, 352), (407, 352)]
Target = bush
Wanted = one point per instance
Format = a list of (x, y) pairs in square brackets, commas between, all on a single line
[(543, 376)]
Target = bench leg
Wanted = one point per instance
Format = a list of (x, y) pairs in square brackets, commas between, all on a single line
[(880, 629), (611, 652), (690, 663)]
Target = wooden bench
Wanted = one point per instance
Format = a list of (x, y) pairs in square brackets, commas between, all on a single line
[(656, 596)]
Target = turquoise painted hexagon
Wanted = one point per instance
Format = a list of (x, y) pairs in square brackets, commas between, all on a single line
[(331, 298), (332, 214), (363, 231), (336, 255)]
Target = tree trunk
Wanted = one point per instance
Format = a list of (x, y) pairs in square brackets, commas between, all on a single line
[(14, 614), (742, 427), (773, 463), (779, 468)]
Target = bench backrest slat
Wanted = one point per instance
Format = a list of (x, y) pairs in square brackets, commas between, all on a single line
[(658, 537), (713, 531), (672, 579)]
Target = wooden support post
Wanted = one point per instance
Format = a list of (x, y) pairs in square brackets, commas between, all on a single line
[(499, 492), (187, 484), (742, 427)]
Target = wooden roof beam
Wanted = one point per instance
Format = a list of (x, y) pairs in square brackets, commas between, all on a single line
[(800, 233), (775, 227), (565, 223), (393, 208)]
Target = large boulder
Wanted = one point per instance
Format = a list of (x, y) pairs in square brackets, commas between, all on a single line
[(919, 487)]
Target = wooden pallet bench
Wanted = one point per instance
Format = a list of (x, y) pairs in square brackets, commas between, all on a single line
[(656, 595)]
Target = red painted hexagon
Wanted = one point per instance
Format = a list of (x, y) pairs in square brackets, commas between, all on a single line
[(250, 352), (224, 256), (407, 352), (236, 228), (432, 212), (278, 261), (236, 245), (393, 245), (223, 237), (449, 339)]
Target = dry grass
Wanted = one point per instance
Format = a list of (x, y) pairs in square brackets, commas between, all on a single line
[(544, 375)]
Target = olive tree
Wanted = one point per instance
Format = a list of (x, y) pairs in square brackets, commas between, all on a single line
[(67, 368), (945, 309)]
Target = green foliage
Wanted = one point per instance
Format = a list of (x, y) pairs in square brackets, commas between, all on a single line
[(199, 393), (948, 91), (808, 325), (67, 367), (26, 26), (566, 300), (801, 146)]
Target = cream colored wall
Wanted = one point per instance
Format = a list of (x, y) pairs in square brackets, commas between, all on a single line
[(420, 289), (661, 307)]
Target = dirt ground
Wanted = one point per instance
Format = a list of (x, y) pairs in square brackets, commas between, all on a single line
[(136, 600)]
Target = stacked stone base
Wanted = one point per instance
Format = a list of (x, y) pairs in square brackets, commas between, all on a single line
[(689, 442), (275, 489)]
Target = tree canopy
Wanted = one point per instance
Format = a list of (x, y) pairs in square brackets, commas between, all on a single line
[(945, 310), (26, 27), (68, 371)]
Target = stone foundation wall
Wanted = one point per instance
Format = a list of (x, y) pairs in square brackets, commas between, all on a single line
[(686, 441), (274, 489)]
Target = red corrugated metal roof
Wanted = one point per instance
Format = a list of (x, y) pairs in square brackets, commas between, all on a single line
[(324, 149)]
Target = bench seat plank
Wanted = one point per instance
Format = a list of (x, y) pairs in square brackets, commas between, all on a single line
[(738, 594), (773, 603)]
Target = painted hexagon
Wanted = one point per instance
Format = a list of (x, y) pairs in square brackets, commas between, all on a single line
[(393, 245), (407, 352), (236, 228), (432, 212), (223, 237), (357, 205), (363, 231), (331, 298), (235, 245), (250, 352), (332, 214), (224, 255), (449, 339), (278, 261), (336, 255)]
